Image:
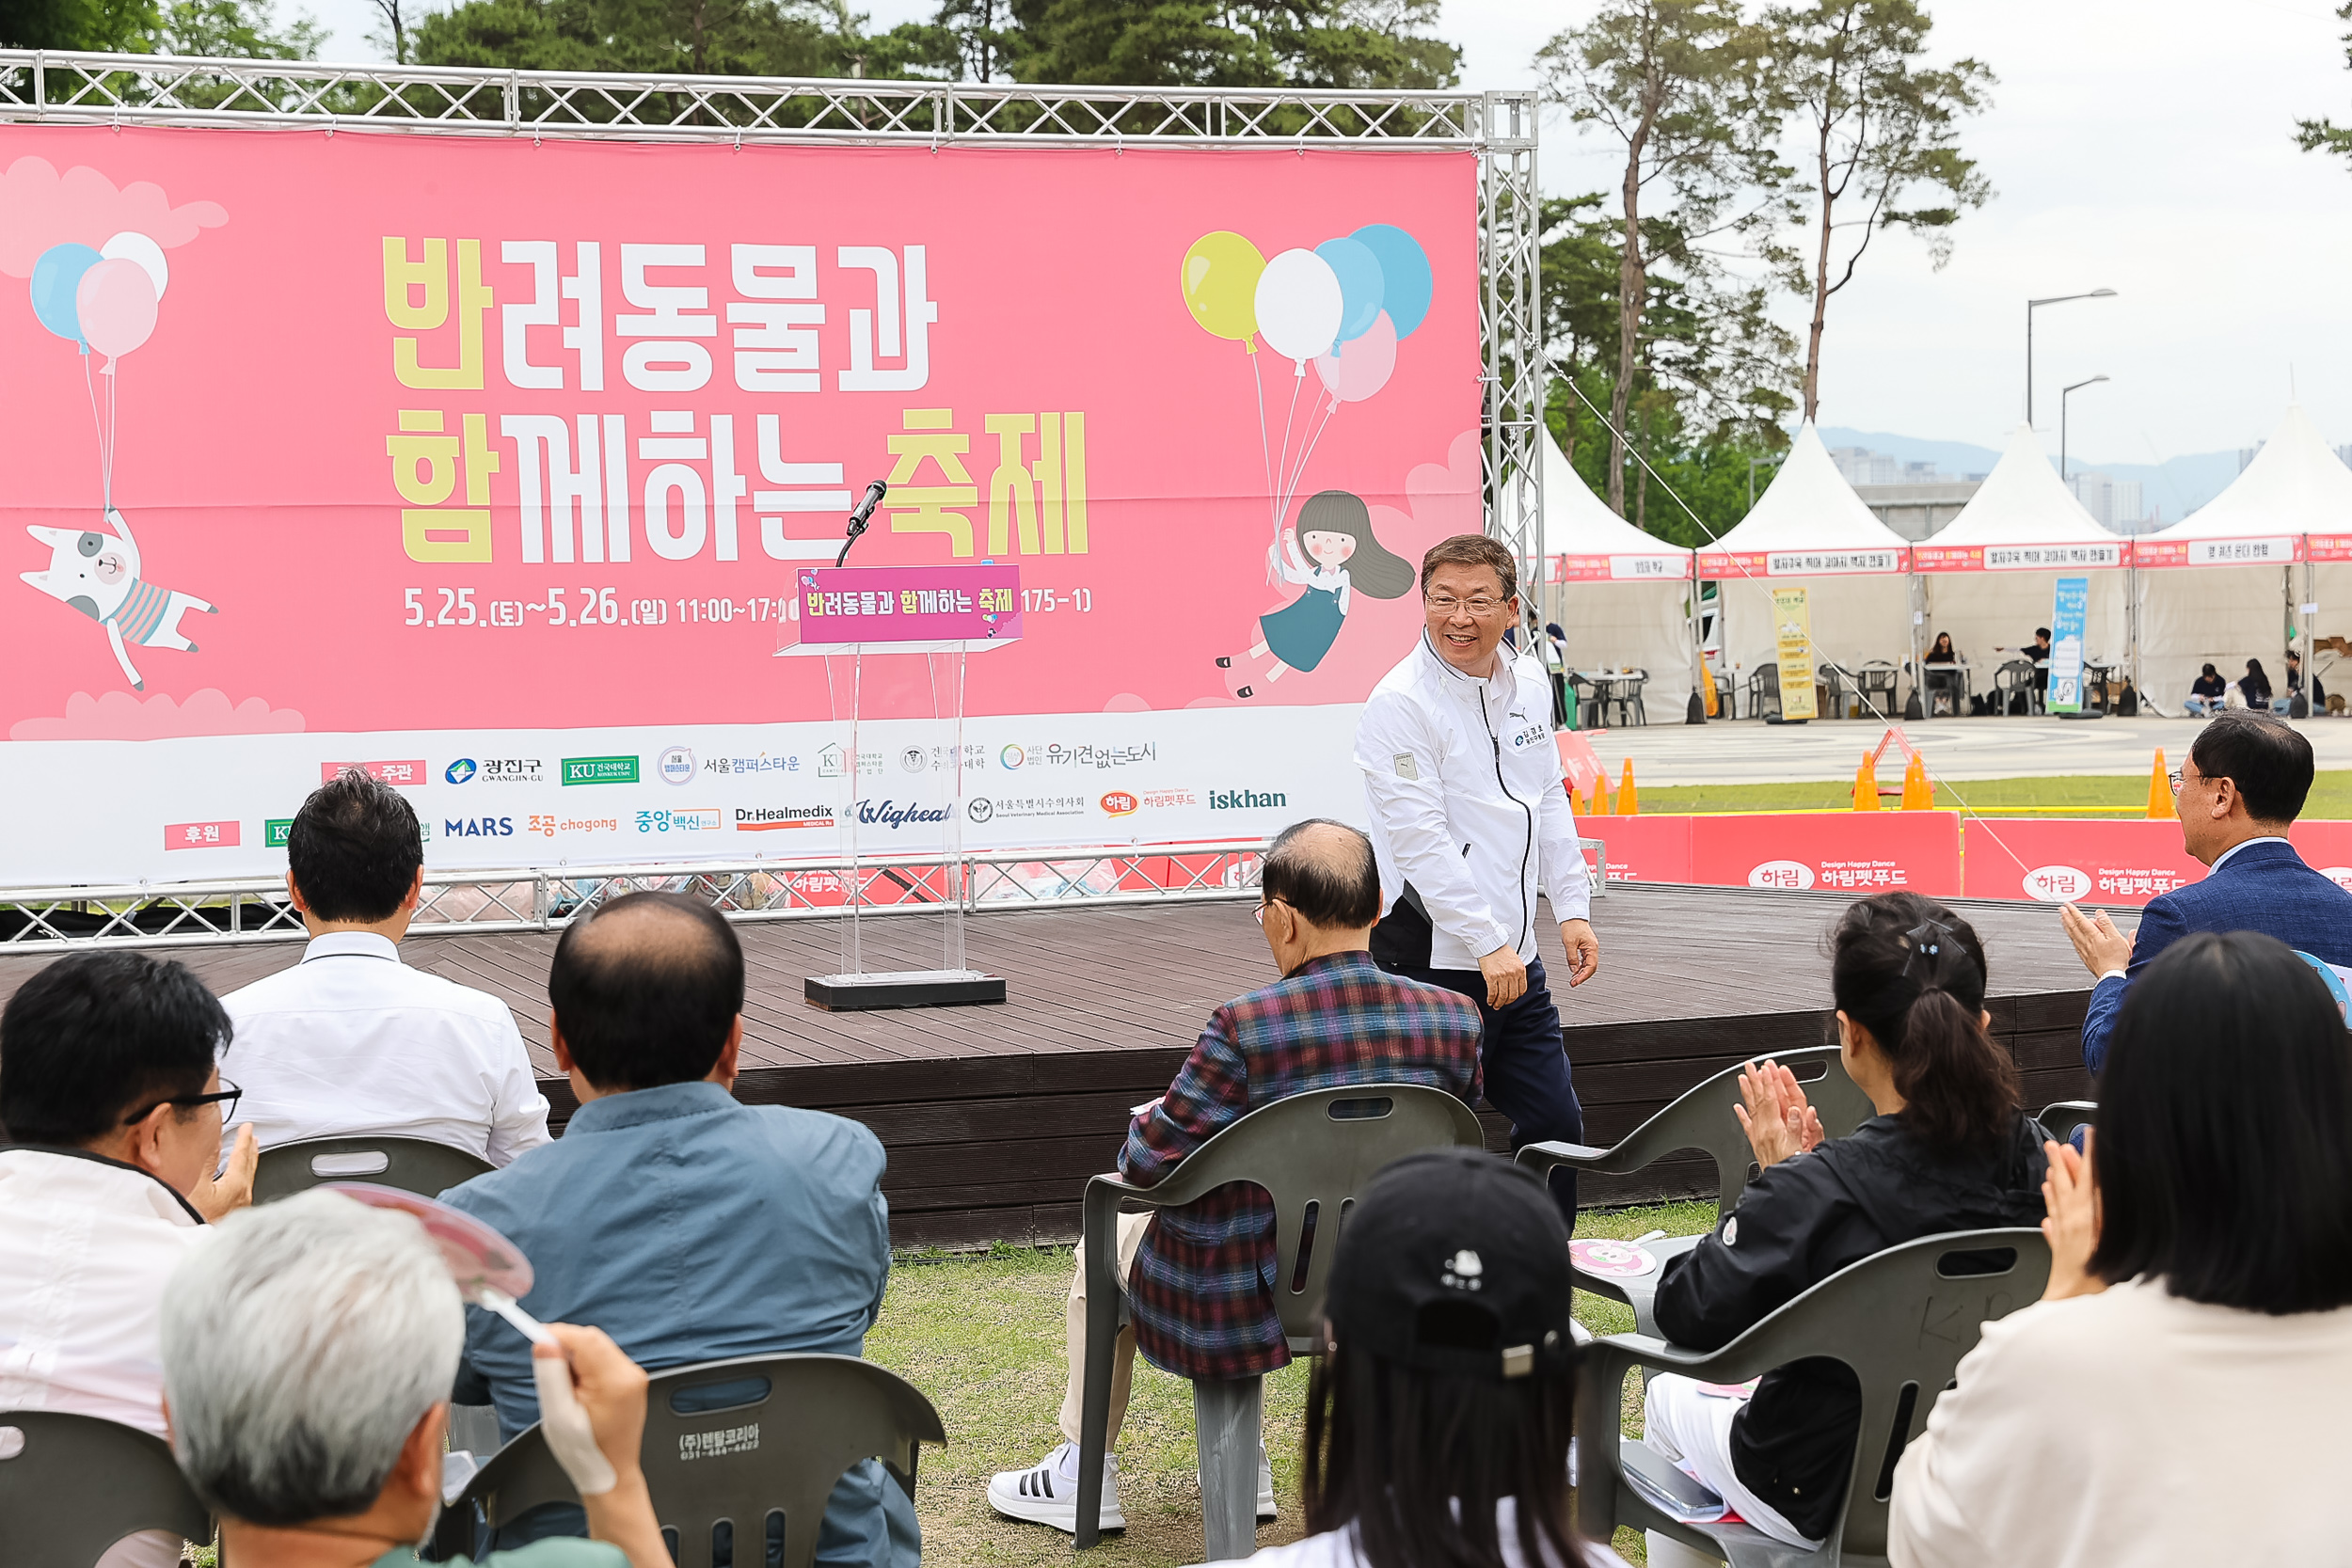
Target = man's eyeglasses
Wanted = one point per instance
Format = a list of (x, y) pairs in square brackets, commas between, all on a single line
[(226, 1098), (2175, 776), (1261, 909), (1484, 609)]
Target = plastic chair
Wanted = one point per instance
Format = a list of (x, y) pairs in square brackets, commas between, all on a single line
[(412, 1165), (1629, 698), (1311, 1155), (2013, 677), (2062, 1117), (782, 1447), (1764, 692), (1901, 1319), (79, 1484)]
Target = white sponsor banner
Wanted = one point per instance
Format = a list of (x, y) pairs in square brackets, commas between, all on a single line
[(2014, 558), (1649, 568), (2240, 552), (1831, 563), (88, 812)]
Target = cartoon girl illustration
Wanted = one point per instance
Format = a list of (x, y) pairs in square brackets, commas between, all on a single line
[(1339, 558)]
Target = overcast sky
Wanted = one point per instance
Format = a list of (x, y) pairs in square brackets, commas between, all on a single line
[(2144, 146)]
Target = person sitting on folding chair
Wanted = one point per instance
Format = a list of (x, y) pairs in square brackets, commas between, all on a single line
[(1947, 1150), (1200, 1279)]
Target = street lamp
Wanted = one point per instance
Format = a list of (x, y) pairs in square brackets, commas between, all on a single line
[(2063, 394), (1754, 463), (2030, 305)]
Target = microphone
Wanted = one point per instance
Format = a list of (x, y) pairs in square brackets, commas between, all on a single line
[(859, 519)]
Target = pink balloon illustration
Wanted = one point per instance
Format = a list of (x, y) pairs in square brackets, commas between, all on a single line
[(1355, 370), (117, 303)]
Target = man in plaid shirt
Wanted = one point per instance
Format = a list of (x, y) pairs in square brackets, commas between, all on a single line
[(1200, 1279)]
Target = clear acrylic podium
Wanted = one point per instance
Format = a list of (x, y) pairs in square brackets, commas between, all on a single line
[(848, 616)]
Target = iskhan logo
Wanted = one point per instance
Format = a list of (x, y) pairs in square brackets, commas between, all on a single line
[(1246, 799)]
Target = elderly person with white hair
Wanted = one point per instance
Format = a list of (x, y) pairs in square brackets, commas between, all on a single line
[(308, 1357)]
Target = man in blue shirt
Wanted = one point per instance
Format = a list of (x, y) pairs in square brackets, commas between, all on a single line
[(2238, 793), (686, 1226)]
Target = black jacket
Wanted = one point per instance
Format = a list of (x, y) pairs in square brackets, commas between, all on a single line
[(1797, 1223)]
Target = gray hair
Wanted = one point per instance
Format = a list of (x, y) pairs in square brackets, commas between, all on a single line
[(300, 1350)]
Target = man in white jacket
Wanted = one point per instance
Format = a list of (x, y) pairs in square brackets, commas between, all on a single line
[(1470, 820)]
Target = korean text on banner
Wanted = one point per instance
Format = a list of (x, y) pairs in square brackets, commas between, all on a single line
[(2070, 613), (1793, 618), (527, 445)]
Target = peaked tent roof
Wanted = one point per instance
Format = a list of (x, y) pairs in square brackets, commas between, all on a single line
[(2295, 485), (1576, 522), (2023, 501), (1810, 506)]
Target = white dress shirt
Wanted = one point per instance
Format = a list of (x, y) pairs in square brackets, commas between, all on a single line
[(351, 1042)]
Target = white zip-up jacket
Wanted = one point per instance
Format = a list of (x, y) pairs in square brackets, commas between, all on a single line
[(1468, 805)]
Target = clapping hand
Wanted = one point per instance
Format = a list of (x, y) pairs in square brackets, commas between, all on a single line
[(2101, 946), (2071, 1223), (1774, 1115)]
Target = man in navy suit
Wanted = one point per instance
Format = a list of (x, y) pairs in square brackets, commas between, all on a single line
[(2240, 790)]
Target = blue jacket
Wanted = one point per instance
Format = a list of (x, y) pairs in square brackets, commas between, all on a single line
[(2262, 887), (690, 1227)]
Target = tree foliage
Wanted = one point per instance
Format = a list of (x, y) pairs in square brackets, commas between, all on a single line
[(232, 29), (2325, 136), (703, 38)]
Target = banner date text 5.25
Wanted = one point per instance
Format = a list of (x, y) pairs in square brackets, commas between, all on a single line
[(578, 607)]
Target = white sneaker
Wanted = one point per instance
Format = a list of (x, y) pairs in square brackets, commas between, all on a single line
[(1048, 1492), (1266, 1510)]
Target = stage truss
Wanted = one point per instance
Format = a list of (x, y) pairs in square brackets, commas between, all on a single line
[(49, 87)]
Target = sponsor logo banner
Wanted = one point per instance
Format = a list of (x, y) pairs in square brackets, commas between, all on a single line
[(276, 830), (201, 835), (400, 774), (767, 819), (2125, 863), (1793, 852), (599, 770)]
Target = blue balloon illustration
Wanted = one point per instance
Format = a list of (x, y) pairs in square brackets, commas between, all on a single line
[(56, 275), (1405, 269), (1361, 285)]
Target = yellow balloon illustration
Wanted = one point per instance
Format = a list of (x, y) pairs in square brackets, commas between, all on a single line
[(1221, 284)]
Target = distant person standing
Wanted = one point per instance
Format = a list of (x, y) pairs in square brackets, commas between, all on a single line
[(1470, 820)]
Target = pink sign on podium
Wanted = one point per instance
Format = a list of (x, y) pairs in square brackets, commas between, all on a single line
[(942, 609)]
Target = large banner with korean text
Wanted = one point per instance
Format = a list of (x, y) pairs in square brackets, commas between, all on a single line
[(491, 467)]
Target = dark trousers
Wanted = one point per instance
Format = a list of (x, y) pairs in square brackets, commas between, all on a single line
[(1525, 1063)]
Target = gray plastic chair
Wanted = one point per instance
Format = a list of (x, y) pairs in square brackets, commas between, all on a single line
[(1311, 1154), (783, 1449), (1900, 1319), (412, 1165), (80, 1484), (2062, 1117)]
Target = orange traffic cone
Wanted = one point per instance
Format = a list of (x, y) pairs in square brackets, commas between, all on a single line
[(2160, 791), (1918, 795), (1628, 800), (1866, 785), (1598, 802)]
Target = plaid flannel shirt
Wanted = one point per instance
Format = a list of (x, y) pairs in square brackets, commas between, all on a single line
[(1202, 1288)]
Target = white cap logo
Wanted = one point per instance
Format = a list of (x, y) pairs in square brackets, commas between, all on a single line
[(1462, 1271)]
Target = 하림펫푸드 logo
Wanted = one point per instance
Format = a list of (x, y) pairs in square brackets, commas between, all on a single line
[(599, 770), (676, 766), (1118, 804), (1789, 876), (1246, 799), (460, 772), (2057, 884)]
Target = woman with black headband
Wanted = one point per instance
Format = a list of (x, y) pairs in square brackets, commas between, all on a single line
[(1947, 1150)]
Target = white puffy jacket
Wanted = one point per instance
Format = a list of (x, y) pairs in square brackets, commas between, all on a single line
[(1468, 806)]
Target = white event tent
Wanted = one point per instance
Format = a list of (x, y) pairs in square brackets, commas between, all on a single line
[(2224, 585), (1809, 529), (1623, 596), (1990, 577)]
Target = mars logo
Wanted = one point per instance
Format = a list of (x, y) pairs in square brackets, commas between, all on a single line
[(1118, 804), (1787, 876), (2057, 884)]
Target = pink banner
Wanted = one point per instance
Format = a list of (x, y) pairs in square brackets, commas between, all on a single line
[(387, 433), (2124, 862), (1862, 852)]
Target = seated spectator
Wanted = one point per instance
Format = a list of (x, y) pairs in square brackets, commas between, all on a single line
[(2193, 1354), (2038, 651), (1947, 1150), (2255, 687), (1438, 1425), (2294, 683), (686, 1226), (308, 1357), (1200, 1278), (1942, 651), (109, 1093), (2207, 693), (352, 1042), (2238, 793)]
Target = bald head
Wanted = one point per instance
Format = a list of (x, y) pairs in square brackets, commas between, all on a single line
[(646, 992), (1325, 870)]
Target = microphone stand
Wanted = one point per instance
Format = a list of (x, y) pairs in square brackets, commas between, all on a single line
[(860, 517)]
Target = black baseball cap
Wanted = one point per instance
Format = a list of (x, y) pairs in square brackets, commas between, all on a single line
[(1454, 1260)]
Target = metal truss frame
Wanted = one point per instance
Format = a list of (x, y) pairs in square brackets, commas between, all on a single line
[(49, 88)]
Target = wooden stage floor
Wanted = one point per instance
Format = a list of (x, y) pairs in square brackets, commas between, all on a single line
[(994, 1116)]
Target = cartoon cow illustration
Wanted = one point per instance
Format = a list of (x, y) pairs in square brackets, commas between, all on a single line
[(98, 574)]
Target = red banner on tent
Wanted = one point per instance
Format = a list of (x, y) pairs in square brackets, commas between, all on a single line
[(1835, 851), (2016, 558)]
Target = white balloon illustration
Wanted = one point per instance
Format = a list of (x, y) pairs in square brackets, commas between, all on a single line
[(128, 246), (1298, 306)]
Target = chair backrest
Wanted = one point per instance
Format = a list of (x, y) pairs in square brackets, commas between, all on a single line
[(2062, 1117), (73, 1485), (735, 1441), (1702, 1119), (2013, 675), (1901, 1319), (412, 1165), (1311, 1155)]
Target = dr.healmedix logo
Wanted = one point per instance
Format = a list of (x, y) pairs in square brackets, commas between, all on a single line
[(1246, 799)]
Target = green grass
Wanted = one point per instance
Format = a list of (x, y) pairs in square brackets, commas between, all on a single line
[(2075, 794)]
